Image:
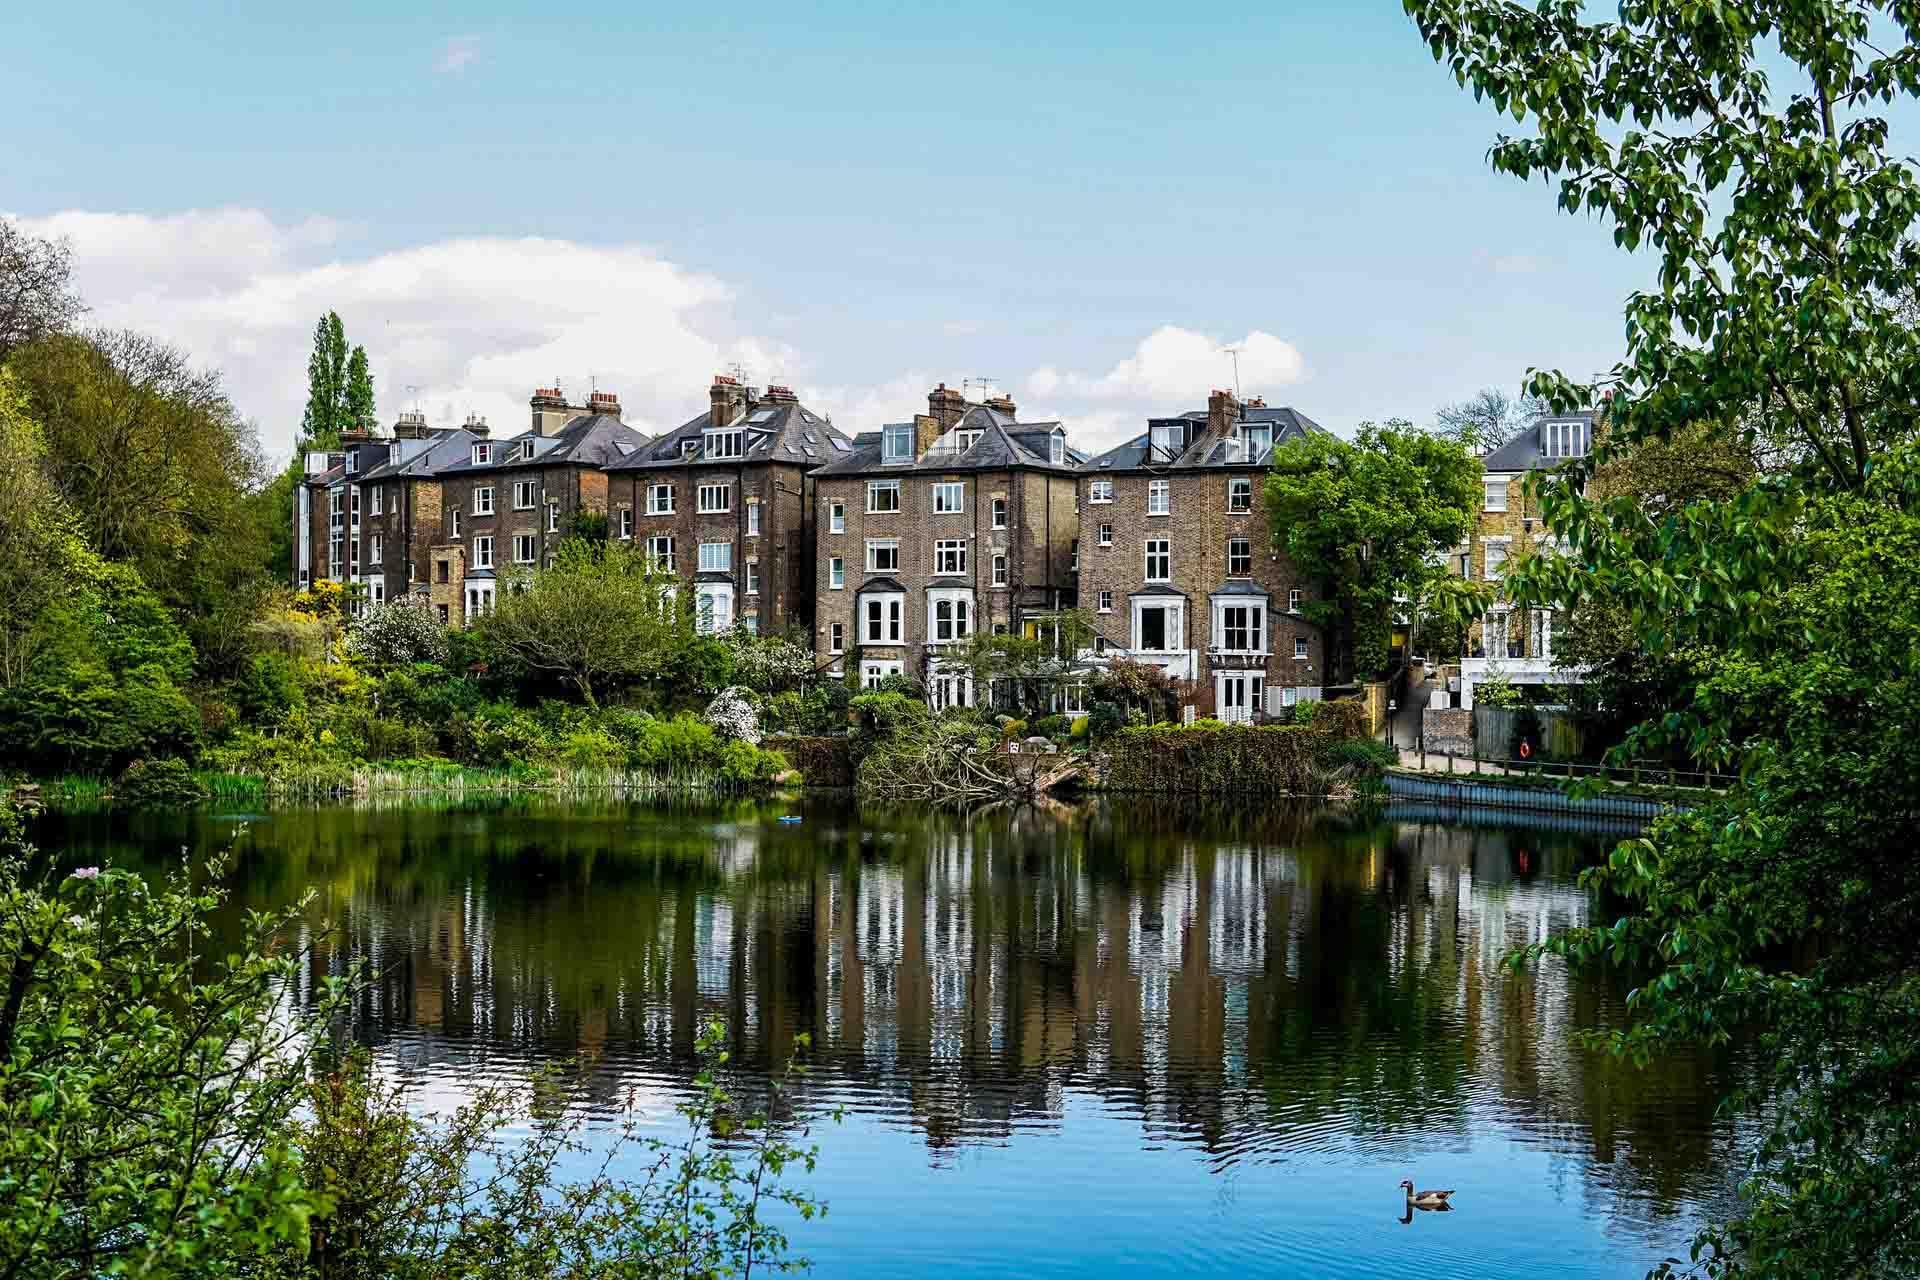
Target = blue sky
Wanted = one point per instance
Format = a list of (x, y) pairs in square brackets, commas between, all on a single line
[(856, 198)]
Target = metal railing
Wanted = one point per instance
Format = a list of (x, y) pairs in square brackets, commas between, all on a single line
[(1647, 773)]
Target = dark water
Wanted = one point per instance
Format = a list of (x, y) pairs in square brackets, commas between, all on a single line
[(1123, 1039)]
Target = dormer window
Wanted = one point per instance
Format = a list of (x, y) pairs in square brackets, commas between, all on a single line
[(1564, 439), (1259, 436), (353, 462), (965, 440), (896, 442), (526, 449), (726, 444), (1058, 447), (689, 447), (1168, 440), (482, 454)]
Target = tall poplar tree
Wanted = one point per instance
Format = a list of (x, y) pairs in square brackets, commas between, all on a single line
[(339, 385)]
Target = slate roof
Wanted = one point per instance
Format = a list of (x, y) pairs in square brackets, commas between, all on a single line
[(880, 584), (1240, 587), (1527, 451), (1004, 443), (1205, 450), (425, 456), (588, 439), (777, 431)]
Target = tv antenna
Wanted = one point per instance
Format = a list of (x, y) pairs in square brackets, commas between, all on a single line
[(985, 385), (1234, 354), (413, 389), (738, 372)]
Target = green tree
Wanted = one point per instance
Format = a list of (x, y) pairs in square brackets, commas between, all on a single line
[(598, 617), (1369, 520), (1780, 222), (339, 386)]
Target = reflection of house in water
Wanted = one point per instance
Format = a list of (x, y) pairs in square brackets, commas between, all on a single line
[(1271, 989)]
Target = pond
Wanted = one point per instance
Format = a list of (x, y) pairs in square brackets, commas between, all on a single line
[(1114, 1039)]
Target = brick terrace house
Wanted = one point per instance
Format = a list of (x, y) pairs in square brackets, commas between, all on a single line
[(929, 530), (1517, 643), (355, 518), (510, 502), (1177, 566), (725, 500)]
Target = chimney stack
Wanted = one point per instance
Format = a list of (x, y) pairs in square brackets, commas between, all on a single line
[(1003, 403), (946, 406), (781, 395), (606, 403), (550, 411), (1222, 412), (727, 400), (476, 425), (410, 425)]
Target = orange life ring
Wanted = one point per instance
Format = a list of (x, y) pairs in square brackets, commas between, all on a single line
[(1526, 752)]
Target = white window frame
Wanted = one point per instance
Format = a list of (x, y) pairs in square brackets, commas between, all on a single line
[(890, 628), (1239, 495), (873, 672), (1300, 653), (950, 552), (715, 557), (1294, 596), (836, 517), (553, 517), (1057, 448), (1159, 497), (376, 544), (1247, 572), (1105, 599), (723, 444), (998, 511), (896, 442), (878, 487), (713, 610), (836, 637), (1165, 556), (482, 455), (1493, 568), (660, 552), (1494, 493), (949, 498), (708, 494), (1100, 491), (483, 500), (1254, 626), (660, 498), (526, 548), (1106, 535), (836, 574), (999, 568), (626, 521), (1176, 622), (950, 615), (753, 517), (876, 545), (753, 575), (453, 522), (375, 496), (525, 494), (483, 551)]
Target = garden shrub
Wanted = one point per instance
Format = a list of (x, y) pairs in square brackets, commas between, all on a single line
[(1051, 726), (1210, 757), (822, 761), (1341, 718), (1079, 728), (732, 716), (592, 749), (157, 784), (267, 690)]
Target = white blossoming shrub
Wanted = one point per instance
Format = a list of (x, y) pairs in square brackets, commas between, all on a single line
[(732, 715), (398, 633), (768, 665)]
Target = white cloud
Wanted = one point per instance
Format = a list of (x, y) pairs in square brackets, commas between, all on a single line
[(473, 324), (457, 54), (1171, 370)]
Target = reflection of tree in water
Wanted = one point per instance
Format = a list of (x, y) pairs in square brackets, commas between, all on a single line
[(1245, 982)]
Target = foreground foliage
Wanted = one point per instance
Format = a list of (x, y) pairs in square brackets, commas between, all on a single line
[(168, 1108), (1782, 611)]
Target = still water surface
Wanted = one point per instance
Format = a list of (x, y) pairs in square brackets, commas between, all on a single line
[(1115, 1040)]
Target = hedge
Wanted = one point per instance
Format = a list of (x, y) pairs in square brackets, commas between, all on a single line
[(1342, 718), (822, 761)]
